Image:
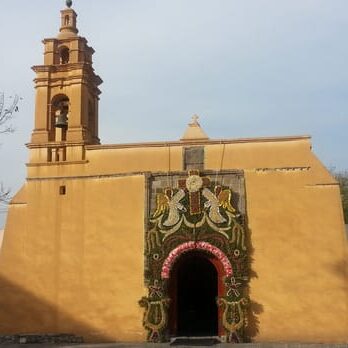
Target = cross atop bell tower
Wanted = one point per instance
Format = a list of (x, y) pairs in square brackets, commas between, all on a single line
[(67, 96)]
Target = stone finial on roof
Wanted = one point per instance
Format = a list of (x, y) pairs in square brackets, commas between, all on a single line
[(194, 119), (68, 3), (194, 131)]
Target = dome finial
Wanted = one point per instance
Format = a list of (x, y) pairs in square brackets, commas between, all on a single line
[(194, 120), (68, 3), (194, 131)]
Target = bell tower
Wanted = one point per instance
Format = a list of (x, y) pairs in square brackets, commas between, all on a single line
[(67, 96)]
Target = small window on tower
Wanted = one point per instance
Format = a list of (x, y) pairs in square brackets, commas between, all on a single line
[(62, 190), (64, 55), (66, 20)]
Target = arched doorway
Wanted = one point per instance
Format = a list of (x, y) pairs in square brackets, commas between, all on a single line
[(194, 287)]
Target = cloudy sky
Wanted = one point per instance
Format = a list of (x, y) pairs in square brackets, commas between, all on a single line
[(248, 67)]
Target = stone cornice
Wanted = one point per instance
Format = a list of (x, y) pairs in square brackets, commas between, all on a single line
[(172, 143), (74, 80), (54, 144), (50, 164), (87, 68), (200, 142), (55, 39), (148, 174)]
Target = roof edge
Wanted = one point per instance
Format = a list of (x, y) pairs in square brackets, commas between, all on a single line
[(199, 142)]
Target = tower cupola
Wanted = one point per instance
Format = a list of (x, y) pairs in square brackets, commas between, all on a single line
[(68, 26)]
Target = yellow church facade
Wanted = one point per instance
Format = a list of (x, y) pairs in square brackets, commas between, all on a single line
[(242, 239)]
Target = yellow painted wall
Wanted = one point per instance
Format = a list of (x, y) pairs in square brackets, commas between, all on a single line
[(299, 259), (74, 262), (78, 257)]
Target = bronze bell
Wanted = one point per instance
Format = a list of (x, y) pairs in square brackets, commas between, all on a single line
[(61, 121)]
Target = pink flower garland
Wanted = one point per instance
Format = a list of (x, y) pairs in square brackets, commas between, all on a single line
[(175, 253)]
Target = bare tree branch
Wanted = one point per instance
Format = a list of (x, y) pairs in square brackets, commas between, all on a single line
[(5, 194), (6, 115), (342, 178)]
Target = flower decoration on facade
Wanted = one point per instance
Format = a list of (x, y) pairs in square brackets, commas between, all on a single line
[(155, 290), (194, 183), (195, 214), (205, 246), (233, 286)]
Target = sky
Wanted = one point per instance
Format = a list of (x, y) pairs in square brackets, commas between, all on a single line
[(249, 68)]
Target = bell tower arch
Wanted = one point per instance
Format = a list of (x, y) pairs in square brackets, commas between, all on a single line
[(67, 96)]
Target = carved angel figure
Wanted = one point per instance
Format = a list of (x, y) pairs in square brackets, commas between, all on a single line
[(221, 198), (213, 204), (162, 203), (167, 202), (224, 198), (174, 207)]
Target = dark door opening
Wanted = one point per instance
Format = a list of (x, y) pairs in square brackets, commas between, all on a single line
[(196, 286)]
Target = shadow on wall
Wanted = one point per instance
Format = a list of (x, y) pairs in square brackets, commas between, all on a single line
[(255, 309), (340, 269), (23, 313)]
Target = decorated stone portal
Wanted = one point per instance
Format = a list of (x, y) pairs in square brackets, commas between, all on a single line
[(196, 212)]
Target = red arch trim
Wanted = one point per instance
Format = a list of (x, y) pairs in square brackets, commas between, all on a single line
[(182, 248)]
